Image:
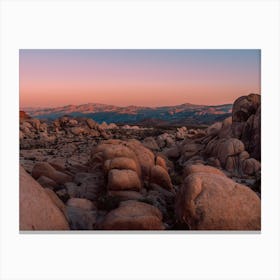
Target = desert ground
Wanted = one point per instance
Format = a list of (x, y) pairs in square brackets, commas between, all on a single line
[(77, 174)]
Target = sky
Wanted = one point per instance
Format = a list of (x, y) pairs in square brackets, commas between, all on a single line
[(52, 78)]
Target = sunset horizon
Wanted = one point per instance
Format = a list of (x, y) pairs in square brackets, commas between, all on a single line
[(146, 78)]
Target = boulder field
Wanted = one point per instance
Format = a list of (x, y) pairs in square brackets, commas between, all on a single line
[(76, 174)]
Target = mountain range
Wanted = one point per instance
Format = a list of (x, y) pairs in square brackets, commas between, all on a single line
[(184, 114)]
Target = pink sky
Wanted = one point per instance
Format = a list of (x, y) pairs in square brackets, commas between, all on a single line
[(50, 78)]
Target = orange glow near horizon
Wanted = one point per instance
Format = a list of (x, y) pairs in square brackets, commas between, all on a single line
[(137, 77)]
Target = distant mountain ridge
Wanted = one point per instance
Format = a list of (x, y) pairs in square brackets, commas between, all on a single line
[(174, 115)]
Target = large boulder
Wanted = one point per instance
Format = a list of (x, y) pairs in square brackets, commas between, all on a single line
[(124, 179), (128, 165), (245, 106), (37, 209), (246, 123), (160, 176), (224, 148), (211, 201), (201, 168), (133, 215)]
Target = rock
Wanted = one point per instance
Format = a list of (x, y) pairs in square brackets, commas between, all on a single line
[(164, 192), (251, 134), (23, 116), (150, 143), (56, 200), (92, 124), (214, 129), (200, 168), (161, 177), (161, 162), (181, 133), (110, 151), (72, 122), (72, 189), (45, 169), (121, 163), (144, 156), (251, 166), (21, 135), (214, 162), (37, 210), (246, 123), (58, 164), (165, 140), (63, 195), (123, 180), (245, 106), (128, 165), (209, 201), (77, 130), (112, 126), (82, 203), (228, 148), (126, 195), (243, 155), (89, 185), (43, 127), (226, 130), (69, 148), (80, 219), (189, 150), (35, 123), (133, 215), (46, 182), (172, 152), (223, 148), (103, 125)]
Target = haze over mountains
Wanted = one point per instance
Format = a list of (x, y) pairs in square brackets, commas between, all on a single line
[(184, 114)]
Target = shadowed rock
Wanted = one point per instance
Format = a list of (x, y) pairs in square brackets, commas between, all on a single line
[(133, 215), (45, 169), (37, 209), (246, 123)]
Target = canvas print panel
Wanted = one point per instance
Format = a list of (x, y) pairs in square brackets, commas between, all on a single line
[(140, 140)]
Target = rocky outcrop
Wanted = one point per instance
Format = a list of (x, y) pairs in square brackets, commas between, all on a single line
[(211, 201), (129, 165), (231, 155), (37, 209), (246, 123)]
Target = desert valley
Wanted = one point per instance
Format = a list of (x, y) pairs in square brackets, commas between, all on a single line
[(101, 167)]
